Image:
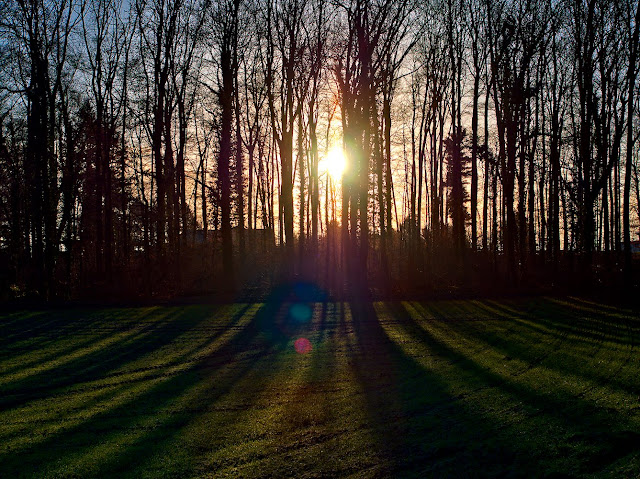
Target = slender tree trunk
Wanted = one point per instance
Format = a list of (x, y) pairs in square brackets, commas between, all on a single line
[(533, 144), (224, 179), (487, 170), (632, 70), (239, 163), (474, 155), (302, 179), (315, 187), (386, 113)]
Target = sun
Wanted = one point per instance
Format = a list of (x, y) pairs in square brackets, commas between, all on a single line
[(334, 163)]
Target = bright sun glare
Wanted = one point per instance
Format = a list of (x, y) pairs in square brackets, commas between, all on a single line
[(334, 163)]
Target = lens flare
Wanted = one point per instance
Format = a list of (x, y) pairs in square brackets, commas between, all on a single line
[(302, 345), (300, 312)]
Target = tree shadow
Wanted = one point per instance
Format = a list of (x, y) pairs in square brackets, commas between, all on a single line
[(147, 414), (125, 344), (560, 338), (596, 434), (430, 408), (404, 402)]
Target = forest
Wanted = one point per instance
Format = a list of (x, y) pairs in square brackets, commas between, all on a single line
[(157, 148), (319, 238)]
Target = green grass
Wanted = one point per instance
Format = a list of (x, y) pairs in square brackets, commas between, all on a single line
[(519, 388)]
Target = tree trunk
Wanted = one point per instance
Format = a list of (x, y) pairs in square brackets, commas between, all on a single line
[(631, 82), (224, 179)]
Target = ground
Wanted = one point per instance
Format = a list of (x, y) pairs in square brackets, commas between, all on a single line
[(295, 388)]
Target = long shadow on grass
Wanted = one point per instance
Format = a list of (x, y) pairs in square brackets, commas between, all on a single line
[(196, 392), (589, 337), (34, 330), (321, 371), (545, 329), (76, 338), (21, 358), (249, 360), (112, 371), (603, 435), (96, 362), (565, 316), (401, 398), (561, 338), (531, 344), (141, 418), (38, 328)]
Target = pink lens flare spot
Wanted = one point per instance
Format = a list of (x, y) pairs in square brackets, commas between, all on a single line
[(302, 345)]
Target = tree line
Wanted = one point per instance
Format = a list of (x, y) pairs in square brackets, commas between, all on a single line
[(159, 144)]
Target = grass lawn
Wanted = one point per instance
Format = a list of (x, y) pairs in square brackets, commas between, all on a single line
[(518, 388)]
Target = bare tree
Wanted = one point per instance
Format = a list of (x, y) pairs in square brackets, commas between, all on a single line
[(40, 34), (632, 74), (285, 75), (225, 19)]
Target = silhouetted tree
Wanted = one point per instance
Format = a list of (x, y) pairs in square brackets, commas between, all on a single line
[(457, 196)]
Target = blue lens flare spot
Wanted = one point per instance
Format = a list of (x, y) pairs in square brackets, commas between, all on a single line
[(308, 292), (302, 345), (300, 312)]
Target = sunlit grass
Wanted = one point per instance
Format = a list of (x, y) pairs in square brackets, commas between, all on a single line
[(404, 389)]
